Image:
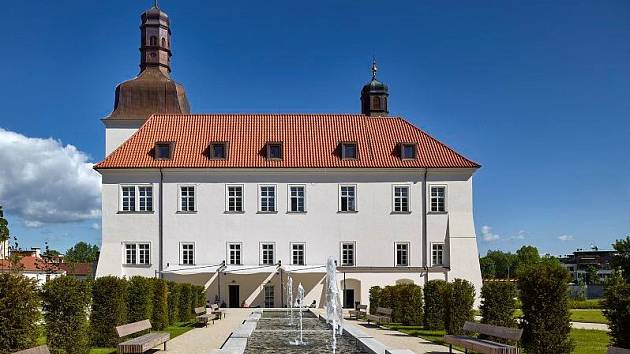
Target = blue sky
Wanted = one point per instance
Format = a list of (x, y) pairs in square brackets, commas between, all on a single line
[(535, 91)]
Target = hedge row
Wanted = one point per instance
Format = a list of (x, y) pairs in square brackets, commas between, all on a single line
[(617, 304), (19, 313), (459, 298), (404, 299), (434, 308)]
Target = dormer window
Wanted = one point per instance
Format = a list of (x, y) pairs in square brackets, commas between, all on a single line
[(407, 151), (164, 151), (349, 151), (274, 151), (218, 151)]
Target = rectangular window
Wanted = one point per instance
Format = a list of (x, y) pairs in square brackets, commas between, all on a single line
[(401, 199), (438, 199), (163, 151), (402, 254), (274, 151), (188, 253), (297, 254), (137, 253), (187, 198), (349, 151), (297, 199), (347, 253), (235, 199), (269, 296), (347, 198), (218, 151), (407, 151), (437, 254), (267, 253), (267, 199), (234, 253), (128, 198), (145, 198)]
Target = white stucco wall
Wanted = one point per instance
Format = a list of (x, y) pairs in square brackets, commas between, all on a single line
[(118, 131)]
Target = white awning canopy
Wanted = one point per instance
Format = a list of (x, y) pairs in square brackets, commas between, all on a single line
[(196, 269), (303, 269), (249, 269)]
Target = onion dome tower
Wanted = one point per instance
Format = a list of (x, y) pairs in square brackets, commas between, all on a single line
[(153, 90), (374, 96)]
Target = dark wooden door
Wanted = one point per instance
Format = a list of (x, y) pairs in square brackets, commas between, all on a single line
[(233, 296)]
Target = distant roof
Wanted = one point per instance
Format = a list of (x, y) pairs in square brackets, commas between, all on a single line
[(309, 141), (81, 269), (31, 264)]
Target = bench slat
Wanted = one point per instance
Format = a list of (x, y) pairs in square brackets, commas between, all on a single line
[(384, 311), (143, 343), (131, 328), (42, 349), (615, 350), (199, 310), (513, 334), (480, 345)]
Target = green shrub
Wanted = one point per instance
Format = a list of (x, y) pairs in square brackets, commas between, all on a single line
[(185, 299), (139, 299), (590, 304), (498, 304), (201, 296), (617, 311), (66, 302), (459, 297), (434, 304), (19, 312), (544, 293), (109, 309), (159, 320), (194, 294), (174, 290), (407, 304), (375, 298)]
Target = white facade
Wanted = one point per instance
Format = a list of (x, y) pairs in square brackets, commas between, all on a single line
[(118, 131), (375, 230)]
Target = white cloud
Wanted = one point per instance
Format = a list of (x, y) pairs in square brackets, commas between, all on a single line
[(95, 226), (488, 236), (519, 236), (44, 182), (565, 238)]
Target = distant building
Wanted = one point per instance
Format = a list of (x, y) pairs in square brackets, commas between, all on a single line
[(32, 265), (81, 271), (4, 249), (581, 261)]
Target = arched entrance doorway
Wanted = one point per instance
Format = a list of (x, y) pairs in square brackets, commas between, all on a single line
[(351, 292)]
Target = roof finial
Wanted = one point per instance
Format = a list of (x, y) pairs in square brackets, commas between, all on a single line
[(374, 68), (155, 4)]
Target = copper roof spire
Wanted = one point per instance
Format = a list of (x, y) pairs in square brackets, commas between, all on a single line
[(374, 68), (374, 96)]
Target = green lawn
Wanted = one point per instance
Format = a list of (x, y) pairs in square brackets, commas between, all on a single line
[(586, 341), (592, 316)]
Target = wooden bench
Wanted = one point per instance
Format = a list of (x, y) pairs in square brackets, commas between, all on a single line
[(485, 346), (143, 343), (383, 315), (203, 316), (42, 349), (615, 350), (359, 312), (217, 310)]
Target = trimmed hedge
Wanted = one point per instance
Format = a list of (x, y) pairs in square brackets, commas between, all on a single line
[(617, 303), (66, 301), (434, 304), (109, 309), (185, 300), (498, 304), (19, 312), (544, 293), (159, 319), (139, 299), (375, 297), (174, 295), (459, 297), (405, 300)]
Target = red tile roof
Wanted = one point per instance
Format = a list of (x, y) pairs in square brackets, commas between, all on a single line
[(309, 141), (31, 264), (78, 269)]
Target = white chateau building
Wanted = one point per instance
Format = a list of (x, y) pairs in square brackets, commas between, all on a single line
[(238, 202)]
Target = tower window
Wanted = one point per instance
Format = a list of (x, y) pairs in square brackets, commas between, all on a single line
[(407, 151), (163, 42), (153, 40), (274, 151), (376, 102), (349, 151), (218, 151), (164, 151)]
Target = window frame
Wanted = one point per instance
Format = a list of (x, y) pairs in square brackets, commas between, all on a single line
[(227, 199), (268, 150), (136, 254), (408, 211), (402, 151), (396, 244), (275, 198), (171, 150), (240, 251), (261, 256), (226, 150), (354, 253), (342, 152), (430, 200), (291, 250), (179, 198), (181, 253), (266, 296), (443, 244), (356, 198), (136, 207), (289, 197)]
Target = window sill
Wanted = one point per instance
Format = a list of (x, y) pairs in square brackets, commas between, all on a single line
[(437, 212), (296, 212), (402, 265), (135, 212), (347, 212), (190, 265), (186, 212), (127, 265), (400, 212), (234, 212), (348, 265), (267, 212)]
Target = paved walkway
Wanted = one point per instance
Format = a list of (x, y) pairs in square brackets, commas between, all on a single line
[(203, 340)]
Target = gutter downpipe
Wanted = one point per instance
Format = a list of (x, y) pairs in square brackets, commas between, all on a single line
[(424, 225), (160, 226)]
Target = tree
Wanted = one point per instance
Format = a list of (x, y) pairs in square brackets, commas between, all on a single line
[(82, 252), (527, 255), (592, 278), (504, 263), (4, 227), (621, 260), (488, 268)]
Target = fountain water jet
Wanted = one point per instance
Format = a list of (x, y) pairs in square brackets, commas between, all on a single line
[(300, 300), (334, 314), (290, 297)]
